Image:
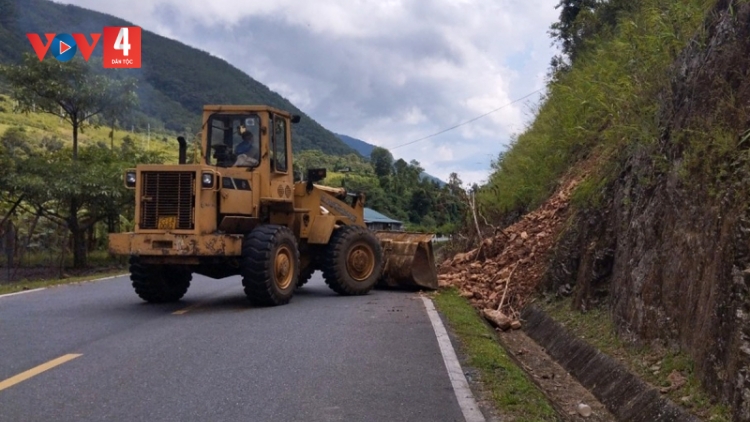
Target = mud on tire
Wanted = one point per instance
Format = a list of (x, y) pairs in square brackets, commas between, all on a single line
[(270, 265), (353, 261), (159, 283)]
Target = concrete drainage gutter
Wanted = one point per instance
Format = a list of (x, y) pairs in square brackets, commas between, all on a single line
[(625, 395)]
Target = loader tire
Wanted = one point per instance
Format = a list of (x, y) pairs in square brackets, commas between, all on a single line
[(353, 261), (270, 265), (159, 283), (304, 275)]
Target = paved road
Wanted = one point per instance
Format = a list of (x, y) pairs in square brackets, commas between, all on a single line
[(213, 357)]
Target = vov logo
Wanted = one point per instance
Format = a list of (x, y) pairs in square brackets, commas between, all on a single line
[(122, 46)]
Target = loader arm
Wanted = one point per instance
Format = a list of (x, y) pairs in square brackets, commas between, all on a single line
[(334, 203), (321, 209), (409, 260)]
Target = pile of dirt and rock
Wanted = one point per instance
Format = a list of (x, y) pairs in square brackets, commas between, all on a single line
[(501, 275)]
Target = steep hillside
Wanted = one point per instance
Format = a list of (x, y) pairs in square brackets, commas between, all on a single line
[(669, 244), (657, 98), (175, 80)]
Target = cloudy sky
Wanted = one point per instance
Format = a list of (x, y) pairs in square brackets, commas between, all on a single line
[(388, 72)]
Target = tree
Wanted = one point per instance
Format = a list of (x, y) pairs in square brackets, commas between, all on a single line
[(15, 142), (581, 20), (71, 90), (51, 180), (75, 92), (420, 205), (382, 162), (568, 30)]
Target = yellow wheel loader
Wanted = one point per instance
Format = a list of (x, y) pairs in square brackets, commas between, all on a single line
[(241, 211)]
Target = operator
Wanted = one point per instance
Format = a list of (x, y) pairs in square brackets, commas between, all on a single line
[(247, 150)]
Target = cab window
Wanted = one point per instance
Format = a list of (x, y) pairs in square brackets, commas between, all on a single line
[(279, 144), (233, 140)]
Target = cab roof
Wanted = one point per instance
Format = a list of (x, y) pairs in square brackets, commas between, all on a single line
[(234, 108)]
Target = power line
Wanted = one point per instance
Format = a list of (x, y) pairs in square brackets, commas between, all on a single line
[(468, 121)]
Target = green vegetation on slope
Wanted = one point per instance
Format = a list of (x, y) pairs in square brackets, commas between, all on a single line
[(606, 101), (175, 82), (656, 103)]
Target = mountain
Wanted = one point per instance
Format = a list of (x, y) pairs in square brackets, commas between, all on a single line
[(365, 149), (432, 178), (175, 80), (362, 147)]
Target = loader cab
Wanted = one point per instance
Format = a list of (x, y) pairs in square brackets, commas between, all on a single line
[(248, 137), (249, 147)]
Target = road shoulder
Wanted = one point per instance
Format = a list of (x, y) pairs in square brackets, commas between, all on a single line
[(503, 390)]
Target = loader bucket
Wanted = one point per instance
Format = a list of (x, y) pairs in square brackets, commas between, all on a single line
[(409, 260)]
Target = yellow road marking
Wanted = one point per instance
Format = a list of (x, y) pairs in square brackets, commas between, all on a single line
[(23, 376), (186, 310)]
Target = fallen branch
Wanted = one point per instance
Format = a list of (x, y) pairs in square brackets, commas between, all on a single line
[(473, 206), (507, 283)]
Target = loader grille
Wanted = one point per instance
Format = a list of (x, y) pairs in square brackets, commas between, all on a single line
[(168, 200)]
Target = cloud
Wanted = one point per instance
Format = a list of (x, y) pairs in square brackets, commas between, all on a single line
[(385, 71)]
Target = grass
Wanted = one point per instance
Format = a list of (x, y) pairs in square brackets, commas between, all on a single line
[(607, 100), (652, 363), (51, 258), (39, 125), (512, 392), (35, 284), (100, 264)]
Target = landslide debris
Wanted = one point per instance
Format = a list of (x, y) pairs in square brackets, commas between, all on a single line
[(501, 275)]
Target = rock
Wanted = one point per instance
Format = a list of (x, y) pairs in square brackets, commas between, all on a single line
[(584, 410), (524, 235), (516, 325), (498, 319), (676, 380)]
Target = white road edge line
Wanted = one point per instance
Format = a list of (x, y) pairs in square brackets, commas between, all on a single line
[(22, 292), (460, 386), (105, 278), (44, 288)]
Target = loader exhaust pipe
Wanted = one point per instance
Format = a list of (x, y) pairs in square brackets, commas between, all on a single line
[(183, 149)]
